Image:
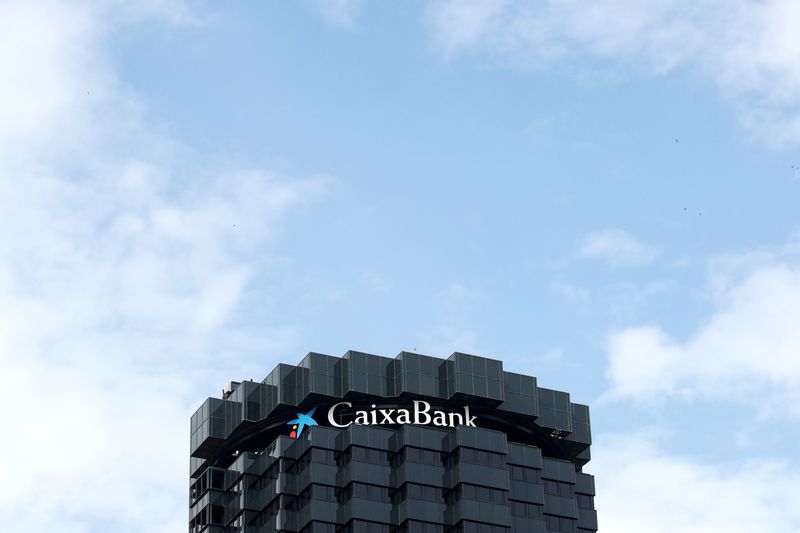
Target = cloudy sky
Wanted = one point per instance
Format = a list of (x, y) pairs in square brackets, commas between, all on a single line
[(603, 194)]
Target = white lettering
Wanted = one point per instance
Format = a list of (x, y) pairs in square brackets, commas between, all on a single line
[(418, 412), (469, 420), (387, 416), (403, 416), (422, 415), (332, 420), (362, 418), (453, 416)]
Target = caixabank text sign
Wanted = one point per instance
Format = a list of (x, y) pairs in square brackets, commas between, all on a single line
[(342, 415)]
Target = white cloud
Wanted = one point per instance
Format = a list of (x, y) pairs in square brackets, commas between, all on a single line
[(747, 48), (642, 488), (750, 344), (119, 271), (573, 293), (465, 24), (339, 13), (617, 248)]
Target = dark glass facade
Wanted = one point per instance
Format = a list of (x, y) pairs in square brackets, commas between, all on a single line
[(519, 469)]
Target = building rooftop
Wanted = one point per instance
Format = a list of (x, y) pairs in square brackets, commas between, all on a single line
[(249, 414)]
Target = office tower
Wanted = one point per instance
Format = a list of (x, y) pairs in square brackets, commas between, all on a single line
[(410, 444)]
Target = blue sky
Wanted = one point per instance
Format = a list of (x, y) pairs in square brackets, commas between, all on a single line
[(601, 194)]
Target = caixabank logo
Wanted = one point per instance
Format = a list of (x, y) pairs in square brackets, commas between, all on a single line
[(302, 421), (342, 415)]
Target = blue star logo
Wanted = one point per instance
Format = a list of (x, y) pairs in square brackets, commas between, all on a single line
[(302, 421)]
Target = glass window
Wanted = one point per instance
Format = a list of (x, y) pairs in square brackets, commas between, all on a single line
[(559, 488), (416, 491), (475, 457), (365, 455), (467, 491), (560, 524), (585, 501), (363, 491)]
